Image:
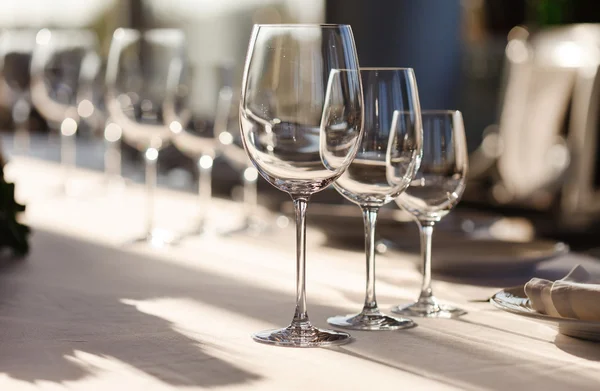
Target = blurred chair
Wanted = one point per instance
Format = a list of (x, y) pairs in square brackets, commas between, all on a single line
[(547, 139)]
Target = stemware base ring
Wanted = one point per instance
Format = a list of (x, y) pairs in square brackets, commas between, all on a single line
[(429, 308), (158, 238), (371, 322), (302, 337)]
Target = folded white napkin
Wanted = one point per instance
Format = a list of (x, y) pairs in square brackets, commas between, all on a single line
[(577, 295)]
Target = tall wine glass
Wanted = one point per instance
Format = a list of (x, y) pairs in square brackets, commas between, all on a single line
[(55, 73), (301, 122), (433, 193), (386, 163), (136, 87)]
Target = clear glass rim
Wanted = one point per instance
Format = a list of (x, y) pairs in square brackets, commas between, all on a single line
[(370, 69), (302, 25), (139, 30), (440, 112), (51, 29)]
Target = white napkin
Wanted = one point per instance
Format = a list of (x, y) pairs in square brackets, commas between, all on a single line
[(577, 295)]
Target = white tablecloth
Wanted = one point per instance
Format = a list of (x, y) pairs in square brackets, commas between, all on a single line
[(84, 312)]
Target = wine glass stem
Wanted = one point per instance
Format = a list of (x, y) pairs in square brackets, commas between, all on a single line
[(370, 219), (426, 228), (250, 194), (300, 316), (150, 159), (112, 160), (204, 187), (67, 156), (22, 139), (20, 115)]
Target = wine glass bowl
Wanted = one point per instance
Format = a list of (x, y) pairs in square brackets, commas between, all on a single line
[(194, 123), (441, 183), (56, 67), (301, 122), (386, 162), (436, 189), (282, 114), (136, 77)]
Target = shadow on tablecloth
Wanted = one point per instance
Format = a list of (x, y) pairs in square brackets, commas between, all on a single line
[(67, 298)]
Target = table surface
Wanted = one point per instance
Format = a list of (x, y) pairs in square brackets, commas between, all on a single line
[(86, 311)]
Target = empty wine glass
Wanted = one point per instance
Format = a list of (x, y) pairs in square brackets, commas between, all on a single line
[(193, 130), (136, 87), (55, 73), (301, 122), (16, 48), (385, 164), (436, 189)]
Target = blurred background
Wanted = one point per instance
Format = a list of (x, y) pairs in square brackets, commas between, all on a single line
[(523, 72)]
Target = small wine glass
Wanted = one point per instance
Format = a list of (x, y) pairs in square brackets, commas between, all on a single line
[(301, 123), (136, 87), (386, 163), (437, 188)]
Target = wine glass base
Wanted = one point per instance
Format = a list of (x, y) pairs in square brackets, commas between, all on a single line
[(372, 322), (429, 309), (255, 227), (302, 337), (95, 190), (199, 230), (158, 238)]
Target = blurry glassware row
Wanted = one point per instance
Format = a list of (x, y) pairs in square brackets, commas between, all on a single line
[(144, 93)]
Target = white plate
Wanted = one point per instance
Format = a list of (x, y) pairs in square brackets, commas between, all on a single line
[(515, 301), (465, 256)]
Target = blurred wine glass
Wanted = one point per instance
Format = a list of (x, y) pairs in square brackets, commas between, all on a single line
[(230, 146), (56, 67), (194, 129), (136, 88), (16, 48), (301, 123)]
